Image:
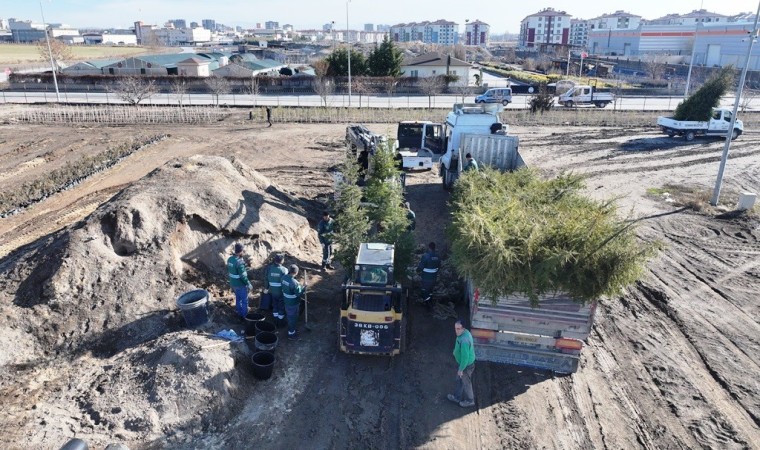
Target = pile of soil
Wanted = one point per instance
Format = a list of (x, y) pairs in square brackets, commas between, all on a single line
[(108, 282)]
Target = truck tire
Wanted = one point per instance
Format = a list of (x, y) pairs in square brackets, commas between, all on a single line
[(505, 102), (479, 101), (446, 180), (735, 134), (689, 136), (601, 104), (670, 133), (569, 104)]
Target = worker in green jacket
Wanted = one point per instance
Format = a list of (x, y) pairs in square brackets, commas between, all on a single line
[(273, 286), (238, 276), (464, 354), (291, 293), (471, 163)]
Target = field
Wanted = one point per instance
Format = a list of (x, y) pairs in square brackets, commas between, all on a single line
[(12, 54), (672, 363)]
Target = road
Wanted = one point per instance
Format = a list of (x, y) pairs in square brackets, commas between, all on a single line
[(439, 101)]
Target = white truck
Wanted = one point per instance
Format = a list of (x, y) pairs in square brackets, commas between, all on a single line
[(585, 95), (509, 330), (420, 143), (477, 129), (718, 125)]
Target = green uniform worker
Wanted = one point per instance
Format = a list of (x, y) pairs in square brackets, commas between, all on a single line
[(464, 354), (273, 286), (291, 293), (428, 270), (238, 276), (471, 163)]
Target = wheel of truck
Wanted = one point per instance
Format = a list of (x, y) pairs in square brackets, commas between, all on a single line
[(505, 102), (689, 136), (404, 333), (446, 180), (735, 134), (600, 104), (479, 101), (671, 133), (569, 104)]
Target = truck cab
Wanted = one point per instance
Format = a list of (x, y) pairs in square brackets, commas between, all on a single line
[(372, 312), (585, 95), (420, 143)]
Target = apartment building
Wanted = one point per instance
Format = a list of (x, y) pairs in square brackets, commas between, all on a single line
[(439, 32), (548, 26), (692, 18), (477, 33), (579, 33), (619, 20)]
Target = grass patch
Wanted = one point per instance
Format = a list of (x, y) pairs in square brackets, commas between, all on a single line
[(27, 53)]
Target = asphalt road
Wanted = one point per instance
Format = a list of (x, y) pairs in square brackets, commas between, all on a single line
[(439, 101)]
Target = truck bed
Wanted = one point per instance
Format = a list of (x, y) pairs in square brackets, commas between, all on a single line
[(670, 122)]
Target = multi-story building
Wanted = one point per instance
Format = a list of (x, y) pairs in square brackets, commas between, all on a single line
[(579, 33), (477, 33), (194, 25), (692, 18), (369, 27), (439, 32), (619, 20), (26, 30), (546, 27), (271, 25), (179, 23), (383, 28), (209, 24)]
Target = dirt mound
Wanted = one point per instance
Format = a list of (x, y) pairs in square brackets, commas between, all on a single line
[(108, 282), (166, 384)]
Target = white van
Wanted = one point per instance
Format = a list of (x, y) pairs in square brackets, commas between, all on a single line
[(496, 95)]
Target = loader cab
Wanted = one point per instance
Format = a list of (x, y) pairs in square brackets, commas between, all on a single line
[(372, 319)]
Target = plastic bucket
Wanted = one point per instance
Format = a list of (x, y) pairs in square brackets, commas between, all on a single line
[(266, 341), (263, 363), (250, 322), (263, 325), (194, 307)]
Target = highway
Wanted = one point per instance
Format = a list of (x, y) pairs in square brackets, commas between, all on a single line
[(241, 100)]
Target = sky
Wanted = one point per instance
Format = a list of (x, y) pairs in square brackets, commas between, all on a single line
[(501, 15)]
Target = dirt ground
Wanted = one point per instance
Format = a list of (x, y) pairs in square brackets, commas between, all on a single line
[(673, 363)]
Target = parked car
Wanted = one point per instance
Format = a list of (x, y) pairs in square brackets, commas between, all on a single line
[(496, 95)]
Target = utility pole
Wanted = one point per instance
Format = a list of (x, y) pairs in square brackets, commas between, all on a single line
[(348, 41), (50, 53), (729, 135)]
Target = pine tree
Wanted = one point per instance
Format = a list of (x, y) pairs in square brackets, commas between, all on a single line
[(351, 222), (338, 63), (699, 105), (385, 60)]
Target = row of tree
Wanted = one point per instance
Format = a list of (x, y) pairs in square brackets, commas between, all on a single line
[(383, 61)]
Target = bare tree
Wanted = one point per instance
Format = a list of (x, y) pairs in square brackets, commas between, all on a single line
[(529, 64), (218, 86), (179, 89), (360, 86), (134, 89), (655, 65), (59, 51), (431, 86), (748, 95), (323, 87), (390, 87), (464, 91), (253, 88)]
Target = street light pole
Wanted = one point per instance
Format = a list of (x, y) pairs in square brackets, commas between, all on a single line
[(691, 64), (50, 53), (332, 34), (729, 135), (348, 41)]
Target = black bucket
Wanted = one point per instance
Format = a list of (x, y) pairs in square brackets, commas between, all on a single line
[(194, 307), (250, 322), (263, 325), (266, 341), (263, 363)]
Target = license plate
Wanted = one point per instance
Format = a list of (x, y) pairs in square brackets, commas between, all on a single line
[(369, 338)]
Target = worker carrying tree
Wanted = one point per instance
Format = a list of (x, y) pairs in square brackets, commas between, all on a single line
[(428, 270), (325, 232)]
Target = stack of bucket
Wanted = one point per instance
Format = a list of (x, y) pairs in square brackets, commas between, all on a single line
[(264, 343)]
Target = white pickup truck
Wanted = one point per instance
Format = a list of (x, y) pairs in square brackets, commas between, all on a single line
[(718, 125), (585, 95)]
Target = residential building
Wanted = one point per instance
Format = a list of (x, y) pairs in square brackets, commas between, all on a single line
[(178, 23), (271, 25), (579, 33), (194, 25), (171, 36), (691, 19), (619, 20), (439, 32), (435, 64), (477, 33), (548, 27), (194, 67), (369, 27), (383, 28), (209, 24)]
